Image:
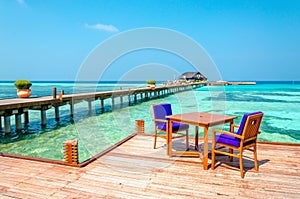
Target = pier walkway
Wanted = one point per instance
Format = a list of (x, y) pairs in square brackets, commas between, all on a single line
[(20, 106), (136, 170)]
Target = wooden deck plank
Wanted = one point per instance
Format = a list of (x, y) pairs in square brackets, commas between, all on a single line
[(136, 170)]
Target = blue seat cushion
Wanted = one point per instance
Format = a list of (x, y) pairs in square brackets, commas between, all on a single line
[(230, 140), (175, 126)]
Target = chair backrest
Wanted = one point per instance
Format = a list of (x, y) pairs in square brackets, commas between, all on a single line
[(243, 122), (160, 111), (252, 124)]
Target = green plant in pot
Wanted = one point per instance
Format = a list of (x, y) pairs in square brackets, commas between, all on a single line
[(23, 88), (151, 83)]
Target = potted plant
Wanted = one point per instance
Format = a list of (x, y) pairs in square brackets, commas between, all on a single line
[(151, 83), (23, 88)]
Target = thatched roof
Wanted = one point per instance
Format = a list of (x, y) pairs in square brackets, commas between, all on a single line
[(193, 75)]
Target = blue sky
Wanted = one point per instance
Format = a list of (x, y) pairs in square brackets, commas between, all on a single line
[(247, 40)]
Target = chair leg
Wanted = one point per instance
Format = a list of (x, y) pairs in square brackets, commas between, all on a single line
[(241, 164), (231, 157), (255, 158), (155, 138), (213, 156), (187, 140)]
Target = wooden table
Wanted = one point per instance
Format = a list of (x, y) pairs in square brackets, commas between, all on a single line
[(197, 119)]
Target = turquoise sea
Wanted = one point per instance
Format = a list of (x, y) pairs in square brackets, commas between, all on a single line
[(280, 102)]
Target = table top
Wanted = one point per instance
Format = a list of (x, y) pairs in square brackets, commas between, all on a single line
[(201, 118)]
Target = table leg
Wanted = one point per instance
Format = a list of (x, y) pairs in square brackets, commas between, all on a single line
[(231, 126), (205, 153), (196, 138)]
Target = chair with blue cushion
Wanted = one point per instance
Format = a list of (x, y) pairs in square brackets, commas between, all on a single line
[(244, 138), (161, 124)]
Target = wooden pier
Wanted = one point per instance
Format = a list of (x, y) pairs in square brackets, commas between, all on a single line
[(21, 106), (225, 83)]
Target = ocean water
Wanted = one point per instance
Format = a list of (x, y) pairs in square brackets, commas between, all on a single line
[(280, 102)]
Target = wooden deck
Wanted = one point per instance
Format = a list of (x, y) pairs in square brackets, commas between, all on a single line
[(136, 170)]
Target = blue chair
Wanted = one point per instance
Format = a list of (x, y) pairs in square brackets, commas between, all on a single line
[(161, 124), (244, 138)]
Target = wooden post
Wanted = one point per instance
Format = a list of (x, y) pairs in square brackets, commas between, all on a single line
[(18, 122), (146, 95), (121, 100), (71, 151), (26, 117), (140, 129), (112, 103), (90, 107), (54, 93), (128, 99), (7, 128), (43, 117), (0, 122), (56, 108), (102, 105), (71, 109), (141, 96), (135, 99), (121, 97)]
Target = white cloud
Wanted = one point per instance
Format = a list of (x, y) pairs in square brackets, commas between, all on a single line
[(104, 27), (22, 2)]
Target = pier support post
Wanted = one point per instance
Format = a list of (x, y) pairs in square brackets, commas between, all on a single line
[(128, 100), (7, 127), (43, 117), (102, 105), (26, 117), (90, 107), (0, 122), (121, 100), (112, 103), (56, 109), (71, 109), (18, 122), (141, 96), (146, 95), (135, 99)]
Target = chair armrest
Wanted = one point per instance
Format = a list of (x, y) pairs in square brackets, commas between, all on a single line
[(160, 120), (214, 131)]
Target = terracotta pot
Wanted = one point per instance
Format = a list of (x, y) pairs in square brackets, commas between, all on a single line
[(24, 93), (152, 86)]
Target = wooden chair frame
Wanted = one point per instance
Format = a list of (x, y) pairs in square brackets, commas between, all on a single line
[(156, 130), (250, 132)]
